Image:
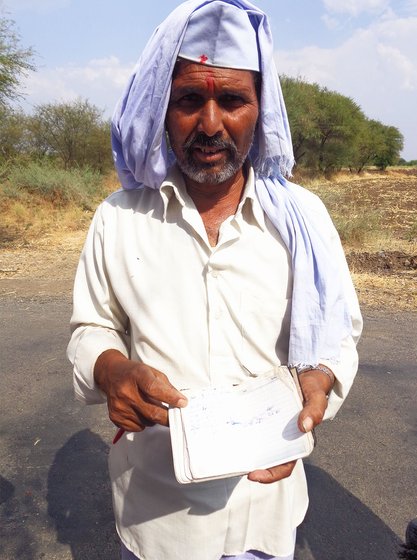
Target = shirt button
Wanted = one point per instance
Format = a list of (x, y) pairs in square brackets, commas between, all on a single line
[(214, 273)]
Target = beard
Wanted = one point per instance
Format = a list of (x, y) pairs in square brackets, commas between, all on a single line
[(201, 172)]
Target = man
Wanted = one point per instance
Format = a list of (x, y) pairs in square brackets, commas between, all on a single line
[(208, 267)]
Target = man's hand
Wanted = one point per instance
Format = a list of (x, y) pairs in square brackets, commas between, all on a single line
[(315, 386), (137, 394)]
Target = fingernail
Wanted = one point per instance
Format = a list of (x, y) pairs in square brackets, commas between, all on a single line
[(182, 402), (308, 424)]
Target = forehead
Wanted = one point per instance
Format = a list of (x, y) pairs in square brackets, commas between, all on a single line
[(198, 75)]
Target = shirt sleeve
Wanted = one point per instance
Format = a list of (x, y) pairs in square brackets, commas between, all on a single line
[(98, 322), (346, 367)]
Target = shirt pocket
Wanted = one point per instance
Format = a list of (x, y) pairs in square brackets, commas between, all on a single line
[(265, 327)]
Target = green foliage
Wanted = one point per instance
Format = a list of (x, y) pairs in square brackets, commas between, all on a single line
[(73, 133), (301, 102), (70, 134), (13, 134), (330, 131), (404, 163), (15, 62), (338, 121), (368, 144), (50, 183), (392, 144)]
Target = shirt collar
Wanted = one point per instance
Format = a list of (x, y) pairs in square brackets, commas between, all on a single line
[(174, 186), (249, 201)]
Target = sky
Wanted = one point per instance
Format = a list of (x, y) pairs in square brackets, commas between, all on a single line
[(365, 49)]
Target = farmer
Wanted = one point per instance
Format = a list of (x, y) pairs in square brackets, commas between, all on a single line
[(207, 267)]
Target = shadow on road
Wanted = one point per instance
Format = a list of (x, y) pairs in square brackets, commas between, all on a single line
[(337, 527), (340, 527), (79, 499), (15, 537), (6, 490)]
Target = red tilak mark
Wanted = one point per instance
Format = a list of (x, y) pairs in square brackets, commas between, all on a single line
[(203, 59), (210, 84)]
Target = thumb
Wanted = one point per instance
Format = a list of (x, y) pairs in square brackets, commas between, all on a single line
[(306, 424), (313, 412)]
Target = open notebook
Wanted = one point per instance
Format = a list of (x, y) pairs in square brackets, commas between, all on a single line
[(230, 431)]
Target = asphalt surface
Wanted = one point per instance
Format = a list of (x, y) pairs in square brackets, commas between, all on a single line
[(54, 494)]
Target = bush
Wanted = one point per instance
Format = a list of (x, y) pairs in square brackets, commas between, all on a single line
[(79, 186), (359, 227)]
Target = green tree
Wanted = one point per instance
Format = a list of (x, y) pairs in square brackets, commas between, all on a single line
[(330, 131), (14, 141), (368, 143), (302, 107), (324, 125), (72, 132), (391, 145), (338, 123), (98, 149), (15, 62)]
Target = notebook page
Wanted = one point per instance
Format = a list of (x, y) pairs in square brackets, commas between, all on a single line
[(242, 428)]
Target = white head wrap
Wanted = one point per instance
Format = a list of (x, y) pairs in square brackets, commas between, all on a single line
[(320, 318), (222, 35)]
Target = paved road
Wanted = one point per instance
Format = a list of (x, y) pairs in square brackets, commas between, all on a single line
[(54, 495)]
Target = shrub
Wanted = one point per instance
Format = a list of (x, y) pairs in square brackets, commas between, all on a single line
[(357, 228), (79, 186)]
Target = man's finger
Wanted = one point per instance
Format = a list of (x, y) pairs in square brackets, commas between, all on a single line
[(129, 425), (156, 389), (273, 474), (150, 414)]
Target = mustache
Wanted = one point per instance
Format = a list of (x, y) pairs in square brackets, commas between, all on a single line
[(216, 141)]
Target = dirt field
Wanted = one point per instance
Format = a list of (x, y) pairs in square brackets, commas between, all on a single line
[(383, 263)]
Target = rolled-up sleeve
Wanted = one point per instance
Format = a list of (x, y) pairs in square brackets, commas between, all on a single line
[(98, 322)]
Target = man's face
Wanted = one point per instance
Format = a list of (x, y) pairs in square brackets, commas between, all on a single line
[(211, 120)]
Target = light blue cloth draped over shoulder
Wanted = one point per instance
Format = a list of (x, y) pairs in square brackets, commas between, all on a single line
[(320, 318)]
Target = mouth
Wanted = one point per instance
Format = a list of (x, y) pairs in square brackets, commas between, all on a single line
[(208, 154), (208, 149)]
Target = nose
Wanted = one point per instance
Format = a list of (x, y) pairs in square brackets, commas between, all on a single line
[(210, 118)]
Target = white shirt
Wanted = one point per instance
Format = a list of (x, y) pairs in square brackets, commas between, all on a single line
[(150, 285)]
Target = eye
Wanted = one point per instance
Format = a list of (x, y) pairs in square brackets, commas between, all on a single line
[(232, 100), (189, 100)]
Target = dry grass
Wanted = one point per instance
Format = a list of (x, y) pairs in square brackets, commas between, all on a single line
[(386, 292), (40, 241), (32, 220), (376, 214), (378, 210)]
